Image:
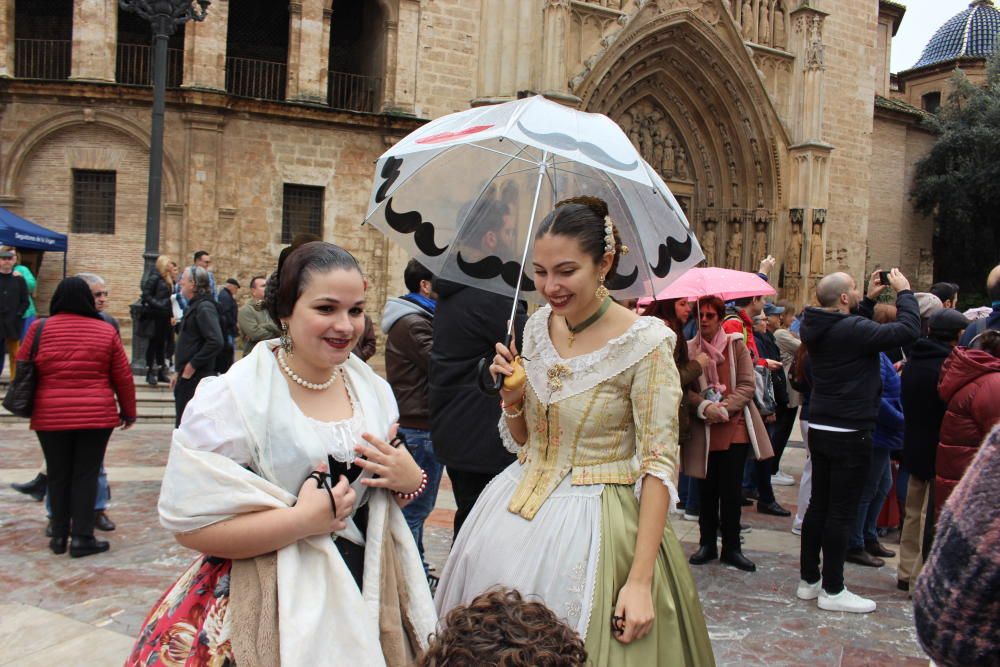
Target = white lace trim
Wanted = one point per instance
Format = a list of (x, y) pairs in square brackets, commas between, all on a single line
[(341, 435), (586, 371), (669, 483), (509, 443)]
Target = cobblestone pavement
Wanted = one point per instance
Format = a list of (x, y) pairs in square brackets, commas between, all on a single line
[(54, 609)]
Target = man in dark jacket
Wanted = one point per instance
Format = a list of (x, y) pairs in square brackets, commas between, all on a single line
[(408, 323), (924, 412), (228, 317), (200, 339), (991, 321), (13, 304), (844, 349)]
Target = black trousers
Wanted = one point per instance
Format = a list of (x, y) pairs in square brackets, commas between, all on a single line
[(73, 461), (466, 486), (840, 463), (158, 342), (184, 392), (780, 432), (720, 496), (224, 361)]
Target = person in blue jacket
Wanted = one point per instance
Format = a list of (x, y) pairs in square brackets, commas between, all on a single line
[(864, 547)]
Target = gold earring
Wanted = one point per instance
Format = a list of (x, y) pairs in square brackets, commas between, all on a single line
[(602, 292), (286, 339)]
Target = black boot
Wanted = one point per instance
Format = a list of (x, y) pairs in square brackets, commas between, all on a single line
[(738, 560), (162, 376), (35, 488), (58, 545), (86, 546), (151, 376), (703, 555)]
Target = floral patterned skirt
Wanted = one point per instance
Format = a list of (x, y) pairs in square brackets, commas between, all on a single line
[(189, 626)]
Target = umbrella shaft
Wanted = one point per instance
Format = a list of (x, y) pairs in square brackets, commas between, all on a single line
[(527, 243)]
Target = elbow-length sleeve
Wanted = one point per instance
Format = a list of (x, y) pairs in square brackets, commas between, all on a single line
[(655, 396)]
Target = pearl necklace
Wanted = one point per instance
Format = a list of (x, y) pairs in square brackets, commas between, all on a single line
[(315, 386)]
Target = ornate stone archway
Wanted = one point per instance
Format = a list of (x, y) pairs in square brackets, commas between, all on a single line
[(688, 94)]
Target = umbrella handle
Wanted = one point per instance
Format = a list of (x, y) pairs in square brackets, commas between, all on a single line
[(487, 384)]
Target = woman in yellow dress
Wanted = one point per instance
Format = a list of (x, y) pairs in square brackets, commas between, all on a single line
[(579, 521)]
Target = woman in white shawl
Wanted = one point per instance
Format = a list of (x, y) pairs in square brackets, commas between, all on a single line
[(307, 558)]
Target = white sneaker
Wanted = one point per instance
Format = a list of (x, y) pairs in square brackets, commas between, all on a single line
[(690, 517), (847, 601), (807, 591), (782, 479), (797, 530)]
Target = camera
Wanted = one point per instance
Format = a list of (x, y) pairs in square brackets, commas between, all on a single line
[(883, 277)]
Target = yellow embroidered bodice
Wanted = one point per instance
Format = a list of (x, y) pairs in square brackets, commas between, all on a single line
[(609, 417)]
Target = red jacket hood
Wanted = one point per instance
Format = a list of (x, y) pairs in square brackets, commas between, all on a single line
[(962, 367)]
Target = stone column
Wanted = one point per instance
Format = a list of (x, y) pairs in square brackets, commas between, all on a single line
[(203, 148), (6, 38), (555, 27), (95, 39), (205, 49), (510, 31), (402, 42), (308, 56), (809, 155)]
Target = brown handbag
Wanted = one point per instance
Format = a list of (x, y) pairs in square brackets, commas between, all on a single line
[(20, 396)]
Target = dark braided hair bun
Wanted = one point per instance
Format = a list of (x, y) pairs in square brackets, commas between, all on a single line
[(582, 218), (296, 266)]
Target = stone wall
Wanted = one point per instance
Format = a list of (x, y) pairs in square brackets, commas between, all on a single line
[(849, 36), (448, 56)]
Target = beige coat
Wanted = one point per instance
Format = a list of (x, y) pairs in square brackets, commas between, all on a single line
[(738, 367)]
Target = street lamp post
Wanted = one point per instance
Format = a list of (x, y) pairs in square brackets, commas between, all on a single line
[(164, 16)]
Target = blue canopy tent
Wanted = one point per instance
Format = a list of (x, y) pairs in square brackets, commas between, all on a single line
[(20, 233)]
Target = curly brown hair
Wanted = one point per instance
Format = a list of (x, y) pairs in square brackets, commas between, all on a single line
[(499, 628)]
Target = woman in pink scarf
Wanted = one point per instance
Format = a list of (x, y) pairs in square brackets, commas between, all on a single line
[(719, 432)]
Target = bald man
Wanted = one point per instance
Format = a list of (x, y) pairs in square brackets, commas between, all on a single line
[(844, 346), (991, 321)]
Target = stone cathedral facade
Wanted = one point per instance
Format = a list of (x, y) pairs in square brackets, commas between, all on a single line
[(773, 121)]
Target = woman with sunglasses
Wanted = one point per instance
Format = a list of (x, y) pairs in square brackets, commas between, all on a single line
[(727, 424)]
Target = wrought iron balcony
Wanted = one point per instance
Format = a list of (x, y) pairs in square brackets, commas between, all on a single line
[(135, 65), (353, 92), (262, 79), (42, 58)]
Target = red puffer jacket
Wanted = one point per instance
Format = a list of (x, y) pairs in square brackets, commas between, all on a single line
[(81, 367), (970, 385)]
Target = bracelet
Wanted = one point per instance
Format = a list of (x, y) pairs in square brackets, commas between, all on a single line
[(512, 415), (419, 491)]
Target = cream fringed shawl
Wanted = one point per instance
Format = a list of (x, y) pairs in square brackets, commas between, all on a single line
[(322, 616)]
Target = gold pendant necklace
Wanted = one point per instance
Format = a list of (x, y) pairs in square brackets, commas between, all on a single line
[(573, 330)]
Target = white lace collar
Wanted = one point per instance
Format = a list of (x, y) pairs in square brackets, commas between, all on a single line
[(554, 378)]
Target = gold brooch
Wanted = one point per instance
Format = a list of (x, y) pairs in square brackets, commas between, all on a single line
[(555, 374)]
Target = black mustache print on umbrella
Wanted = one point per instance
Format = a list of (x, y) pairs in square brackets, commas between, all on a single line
[(566, 142), (412, 222), (390, 172), (493, 266), (672, 251), (617, 281)]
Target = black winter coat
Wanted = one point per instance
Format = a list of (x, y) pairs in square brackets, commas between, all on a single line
[(228, 313), (468, 323), (13, 304), (922, 406), (200, 340), (844, 350), (156, 296)]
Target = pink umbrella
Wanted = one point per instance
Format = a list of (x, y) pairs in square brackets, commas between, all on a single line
[(724, 283)]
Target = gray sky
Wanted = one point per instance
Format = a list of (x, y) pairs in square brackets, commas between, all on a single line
[(922, 19)]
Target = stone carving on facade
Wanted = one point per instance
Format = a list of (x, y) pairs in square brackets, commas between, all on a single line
[(925, 268), (649, 131), (817, 258), (682, 169), (780, 36), (759, 242), (764, 25), (746, 19), (760, 194), (793, 253), (815, 49), (709, 241), (734, 248)]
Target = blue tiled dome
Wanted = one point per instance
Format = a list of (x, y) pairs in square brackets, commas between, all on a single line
[(969, 34)]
